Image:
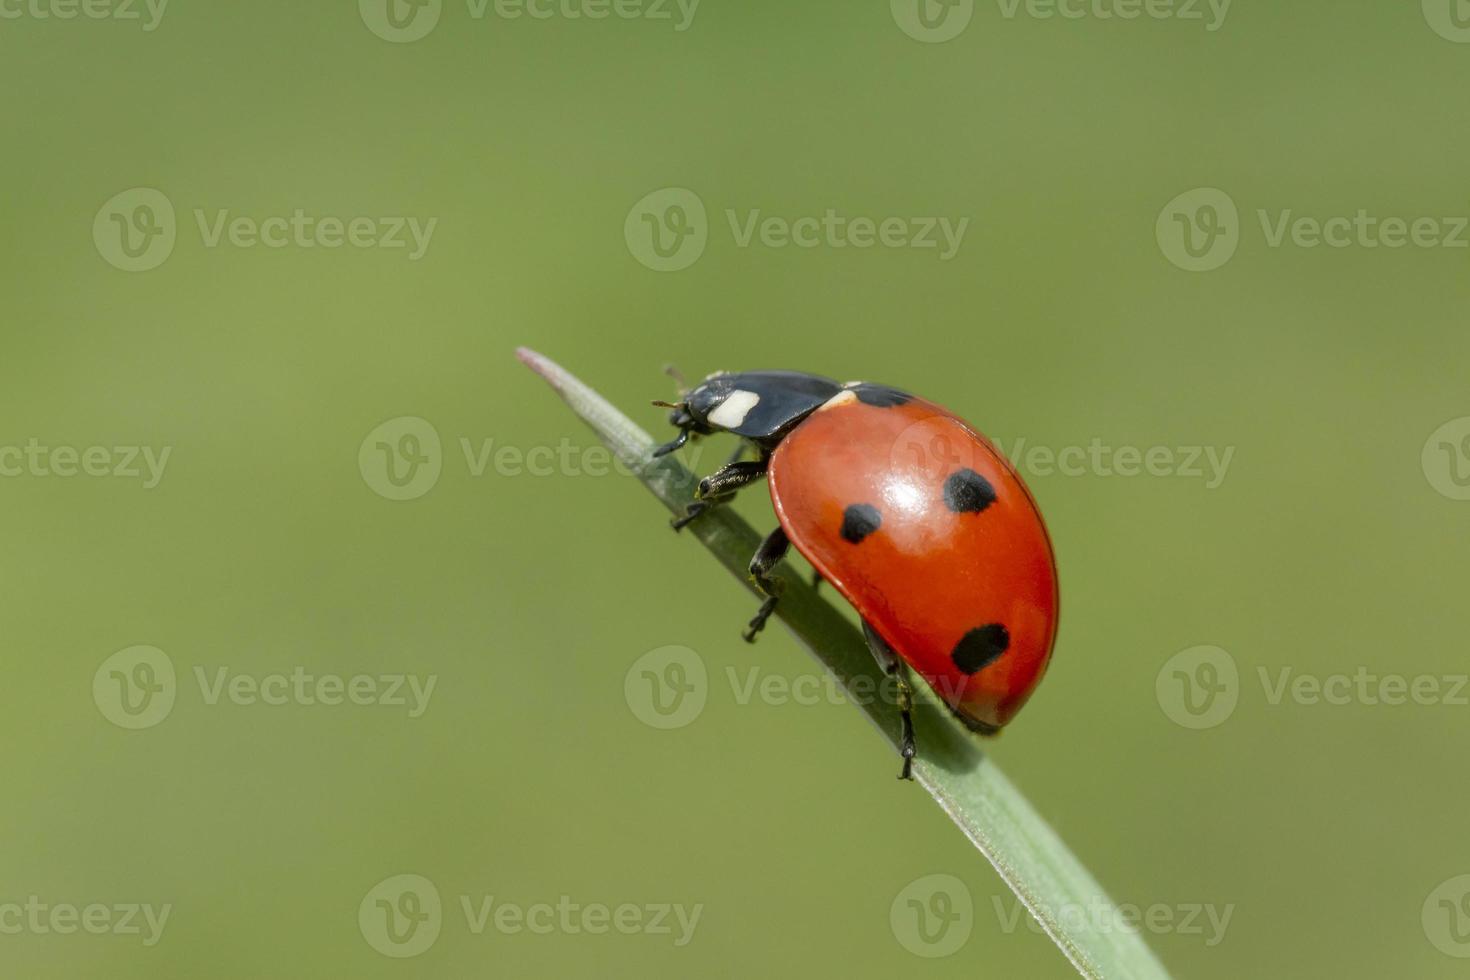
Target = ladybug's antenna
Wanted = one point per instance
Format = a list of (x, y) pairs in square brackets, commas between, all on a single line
[(678, 376), (660, 403)]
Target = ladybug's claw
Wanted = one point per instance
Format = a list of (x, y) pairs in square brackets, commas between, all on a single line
[(690, 513), (759, 622), (673, 445), (906, 715), (698, 507)]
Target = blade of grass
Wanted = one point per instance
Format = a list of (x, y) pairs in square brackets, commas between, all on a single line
[(1049, 880)]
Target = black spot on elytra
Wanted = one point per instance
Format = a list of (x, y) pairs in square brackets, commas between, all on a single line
[(980, 647), (880, 396), (859, 521), (967, 492)]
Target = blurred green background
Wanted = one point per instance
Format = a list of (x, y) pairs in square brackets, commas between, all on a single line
[(1335, 541)]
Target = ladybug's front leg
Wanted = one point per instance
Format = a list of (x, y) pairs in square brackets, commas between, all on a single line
[(719, 487), (767, 557)]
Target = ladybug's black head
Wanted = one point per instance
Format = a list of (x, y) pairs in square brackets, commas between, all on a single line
[(682, 417), (761, 406)]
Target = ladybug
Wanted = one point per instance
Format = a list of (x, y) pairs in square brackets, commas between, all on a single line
[(909, 512)]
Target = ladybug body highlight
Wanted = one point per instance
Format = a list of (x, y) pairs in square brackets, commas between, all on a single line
[(910, 513)]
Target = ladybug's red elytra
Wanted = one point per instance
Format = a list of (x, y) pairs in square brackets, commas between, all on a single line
[(907, 511)]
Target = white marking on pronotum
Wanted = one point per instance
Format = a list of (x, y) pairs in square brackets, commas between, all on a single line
[(841, 398), (734, 408)]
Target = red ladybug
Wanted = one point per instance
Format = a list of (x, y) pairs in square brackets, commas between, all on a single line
[(908, 512)]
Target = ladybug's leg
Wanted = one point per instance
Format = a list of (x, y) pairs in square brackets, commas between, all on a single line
[(673, 445), (719, 487), (894, 666), (730, 477), (697, 508), (770, 553)]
